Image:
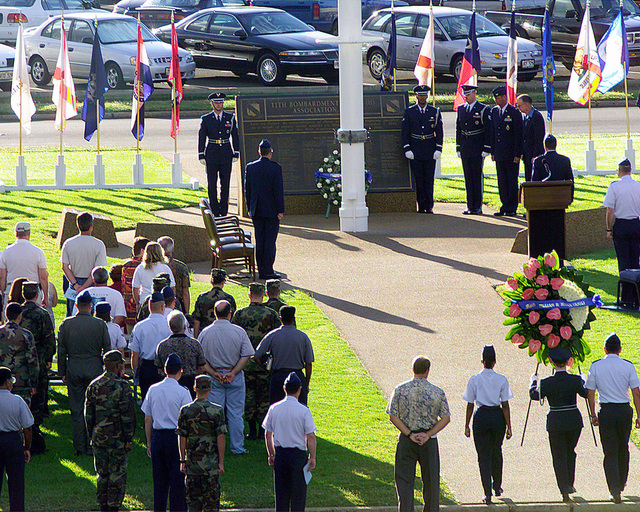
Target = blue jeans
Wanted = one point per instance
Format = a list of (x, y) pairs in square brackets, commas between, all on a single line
[(231, 398)]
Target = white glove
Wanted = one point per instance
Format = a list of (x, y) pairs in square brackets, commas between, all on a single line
[(236, 156), (409, 155), (203, 161), (583, 376), (437, 155), (485, 154), (533, 380), (459, 154)]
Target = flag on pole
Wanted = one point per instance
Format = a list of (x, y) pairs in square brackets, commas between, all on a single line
[(64, 92), (21, 100), (96, 87), (389, 72), (470, 68), (512, 62), (142, 87), (586, 65), (426, 60), (175, 80), (613, 52), (549, 66)]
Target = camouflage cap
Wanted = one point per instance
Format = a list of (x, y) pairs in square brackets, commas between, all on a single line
[(218, 273), (113, 356), (256, 288), (273, 285), (203, 382)]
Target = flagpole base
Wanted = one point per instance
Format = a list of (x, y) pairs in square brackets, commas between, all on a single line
[(176, 170), (138, 170), (98, 172), (630, 153), (590, 166), (60, 172), (438, 171), (21, 173)]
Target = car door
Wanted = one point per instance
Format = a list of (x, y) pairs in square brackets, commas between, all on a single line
[(405, 23), (193, 36), (80, 44), (49, 44), (225, 46)]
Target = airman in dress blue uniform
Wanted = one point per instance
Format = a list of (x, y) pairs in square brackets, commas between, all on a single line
[(422, 142), (473, 144), (218, 148)]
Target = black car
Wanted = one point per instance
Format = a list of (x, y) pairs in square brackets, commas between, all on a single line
[(156, 13), (261, 40)]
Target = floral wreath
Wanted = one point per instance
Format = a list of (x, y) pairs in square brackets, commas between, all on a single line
[(548, 306), (329, 179)]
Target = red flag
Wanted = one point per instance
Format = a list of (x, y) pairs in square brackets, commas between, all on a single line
[(175, 80), (64, 92), (470, 68)]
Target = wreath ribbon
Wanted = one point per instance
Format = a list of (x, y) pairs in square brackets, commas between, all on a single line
[(528, 305)]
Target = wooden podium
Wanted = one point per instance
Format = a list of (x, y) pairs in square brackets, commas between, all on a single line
[(545, 203)]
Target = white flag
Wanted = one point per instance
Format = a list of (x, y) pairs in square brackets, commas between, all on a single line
[(586, 65), (21, 100), (426, 61), (64, 92)]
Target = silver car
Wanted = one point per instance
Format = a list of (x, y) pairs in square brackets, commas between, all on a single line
[(7, 57), (451, 31), (118, 36)]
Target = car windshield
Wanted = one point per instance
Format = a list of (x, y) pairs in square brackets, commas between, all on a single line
[(173, 3), (610, 9), (122, 31), (16, 3), (263, 23), (458, 26)]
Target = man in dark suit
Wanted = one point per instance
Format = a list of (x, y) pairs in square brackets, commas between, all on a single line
[(506, 149), (264, 193), (533, 133), (564, 421), (551, 166), (218, 130), (422, 142), (473, 144)]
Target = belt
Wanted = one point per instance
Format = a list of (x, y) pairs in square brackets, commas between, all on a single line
[(496, 407), (422, 137), (472, 132), (225, 368), (12, 432), (287, 370), (560, 408), (148, 361), (218, 142)]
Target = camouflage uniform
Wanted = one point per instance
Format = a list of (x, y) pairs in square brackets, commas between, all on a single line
[(257, 319), (37, 321), (273, 287), (181, 275), (111, 421), (201, 422), (159, 282), (203, 310), (275, 304), (18, 353)]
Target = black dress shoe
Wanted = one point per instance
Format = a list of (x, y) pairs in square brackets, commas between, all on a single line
[(428, 211), (511, 214), (498, 492), (616, 498), (498, 214), (467, 212), (566, 498), (487, 500), (476, 212)]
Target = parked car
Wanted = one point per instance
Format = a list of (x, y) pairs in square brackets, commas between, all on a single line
[(118, 36), (323, 14), (451, 31), (261, 40), (155, 13), (34, 12), (7, 57)]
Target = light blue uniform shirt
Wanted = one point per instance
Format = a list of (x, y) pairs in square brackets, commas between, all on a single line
[(14, 412), (612, 377), (487, 388), (290, 422), (164, 401), (147, 334)]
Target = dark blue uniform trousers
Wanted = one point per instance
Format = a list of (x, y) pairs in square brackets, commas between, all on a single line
[(407, 454), (489, 428), (472, 168), (626, 241), (147, 376), (167, 478), (615, 427), (507, 172), (423, 174), (563, 453), (290, 486), (266, 229), (217, 167), (12, 461)]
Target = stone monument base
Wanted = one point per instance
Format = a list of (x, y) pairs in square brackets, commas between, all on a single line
[(102, 227), (377, 202), (191, 243)]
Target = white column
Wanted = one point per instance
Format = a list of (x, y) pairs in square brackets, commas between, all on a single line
[(21, 173), (354, 214), (60, 172), (176, 170), (138, 170), (630, 153), (590, 165), (98, 172)]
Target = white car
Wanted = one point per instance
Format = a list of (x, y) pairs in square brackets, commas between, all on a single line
[(118, 36), (7, 56), (33, 12)]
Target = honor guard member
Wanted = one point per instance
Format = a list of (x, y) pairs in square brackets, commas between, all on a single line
[(273, 292), (422, 141), (161, 408), (532, 133), (110, 417), (203, 314), (201, 431), (612, 377), (506, 149), (15, 439), (564, 421), (473, 144), (218, 130), (491, 393)]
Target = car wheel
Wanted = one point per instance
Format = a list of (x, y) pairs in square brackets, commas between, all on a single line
[(39, 71), (526, 77), (456, 67), (332, 77), (114, 76), (269, 70), (377, 62), (334, 27)]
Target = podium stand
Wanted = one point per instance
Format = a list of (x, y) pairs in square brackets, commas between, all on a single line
[(545, 203)]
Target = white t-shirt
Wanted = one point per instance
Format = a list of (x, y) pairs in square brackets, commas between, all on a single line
[(143, 278), (22, 259), (83, 253), (116, 336), (106, 294)]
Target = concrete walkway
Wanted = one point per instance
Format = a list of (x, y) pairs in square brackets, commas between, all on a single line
[(424, 284)]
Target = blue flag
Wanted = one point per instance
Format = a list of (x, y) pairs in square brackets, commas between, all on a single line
[(96, 87), (386, 82), (470, 68), (613, 52), (549, 66)]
